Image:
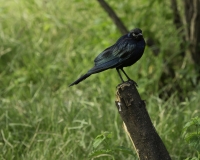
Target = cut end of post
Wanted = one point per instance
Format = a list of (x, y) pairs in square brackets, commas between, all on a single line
[(127, 83)]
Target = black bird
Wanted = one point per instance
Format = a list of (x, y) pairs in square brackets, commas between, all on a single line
[(126, 51)]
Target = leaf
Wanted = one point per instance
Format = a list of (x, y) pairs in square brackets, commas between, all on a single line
[(100, 138), (124, 150), (193, 139), (194, 122), (100, 153)]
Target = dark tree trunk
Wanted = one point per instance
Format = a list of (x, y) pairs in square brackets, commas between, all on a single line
[(192, 23), (178, 22), (177, 18)]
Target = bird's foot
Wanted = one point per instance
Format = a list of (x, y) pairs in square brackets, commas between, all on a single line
[(133, 82), (129, 81)]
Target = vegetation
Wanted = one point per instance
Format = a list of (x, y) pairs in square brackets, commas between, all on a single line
[(45, 45)]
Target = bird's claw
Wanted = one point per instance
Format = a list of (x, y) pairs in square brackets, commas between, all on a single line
[(130, 81), (133, 82)]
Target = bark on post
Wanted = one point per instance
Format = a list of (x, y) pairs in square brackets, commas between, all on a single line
[(132, 110)]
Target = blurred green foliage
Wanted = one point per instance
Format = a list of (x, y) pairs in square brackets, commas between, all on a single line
[(45, 45), (191, 133)]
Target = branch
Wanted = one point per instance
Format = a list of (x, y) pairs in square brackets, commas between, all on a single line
[(113, 16), (132, 110)]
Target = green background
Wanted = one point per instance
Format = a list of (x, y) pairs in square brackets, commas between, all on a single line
[(46, 45)]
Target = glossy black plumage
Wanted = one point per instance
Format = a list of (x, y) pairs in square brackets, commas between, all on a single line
[(126, 51)]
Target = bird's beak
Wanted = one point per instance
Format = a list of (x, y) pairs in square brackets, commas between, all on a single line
[(139, 35)]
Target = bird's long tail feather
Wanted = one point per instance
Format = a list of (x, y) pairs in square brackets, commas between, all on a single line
[(95, 69), (80, 79)]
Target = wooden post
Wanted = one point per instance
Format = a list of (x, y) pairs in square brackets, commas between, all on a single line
[(147, 143)]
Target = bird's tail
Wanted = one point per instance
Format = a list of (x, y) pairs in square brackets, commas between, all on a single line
[(80, 79), (95, 69)]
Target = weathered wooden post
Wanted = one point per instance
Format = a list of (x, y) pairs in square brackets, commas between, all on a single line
[(137, 123)]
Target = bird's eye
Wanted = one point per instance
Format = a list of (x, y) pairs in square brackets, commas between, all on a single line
[(133, 34)]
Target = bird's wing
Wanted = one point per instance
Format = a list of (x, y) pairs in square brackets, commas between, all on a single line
[(120, 51)]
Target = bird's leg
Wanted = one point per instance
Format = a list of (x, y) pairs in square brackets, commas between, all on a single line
[(125, 74), (119, 75), (129, 78)]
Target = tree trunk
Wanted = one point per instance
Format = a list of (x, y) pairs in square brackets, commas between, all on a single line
[(192, 23)]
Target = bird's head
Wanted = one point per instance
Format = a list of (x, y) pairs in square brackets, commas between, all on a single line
[(136, 33)]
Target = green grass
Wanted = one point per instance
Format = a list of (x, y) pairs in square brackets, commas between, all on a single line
[(46, 45)]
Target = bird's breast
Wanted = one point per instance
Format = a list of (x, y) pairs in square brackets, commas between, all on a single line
[(134, 55)]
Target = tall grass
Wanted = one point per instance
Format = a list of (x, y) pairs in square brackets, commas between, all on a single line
[(45, 45)]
